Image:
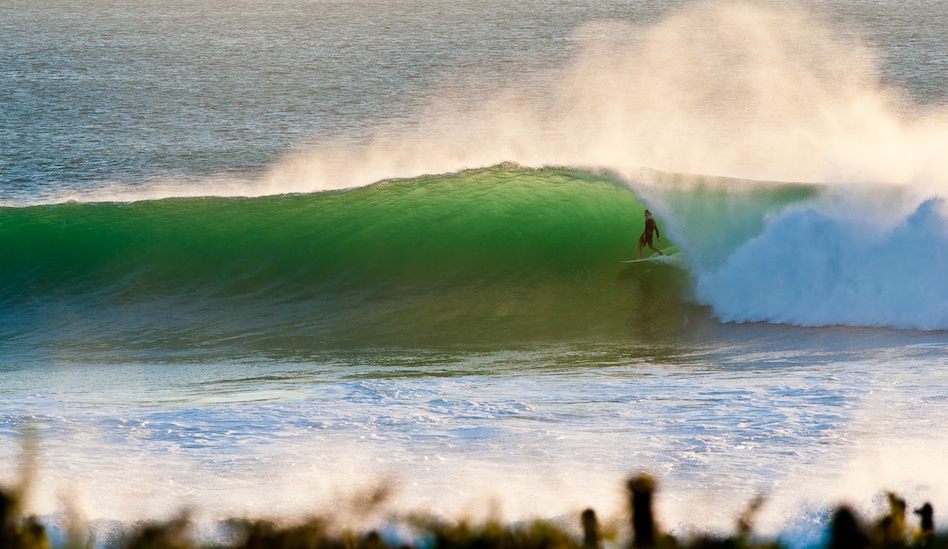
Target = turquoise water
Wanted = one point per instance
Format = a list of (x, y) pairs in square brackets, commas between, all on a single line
[(257, 258)]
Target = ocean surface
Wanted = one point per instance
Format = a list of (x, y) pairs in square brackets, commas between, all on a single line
[(259, 258)]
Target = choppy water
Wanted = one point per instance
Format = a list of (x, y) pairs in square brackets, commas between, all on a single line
[(260, 256)]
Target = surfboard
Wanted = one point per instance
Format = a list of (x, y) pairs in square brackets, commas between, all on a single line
[(643, 259), (670, 254)]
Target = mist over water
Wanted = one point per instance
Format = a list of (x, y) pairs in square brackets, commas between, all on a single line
[(733, 89), (819, 93)]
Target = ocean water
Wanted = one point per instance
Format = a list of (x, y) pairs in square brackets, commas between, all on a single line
[(261, 257)]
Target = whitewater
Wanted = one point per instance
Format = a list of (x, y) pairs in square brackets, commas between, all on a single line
[(258, 260)]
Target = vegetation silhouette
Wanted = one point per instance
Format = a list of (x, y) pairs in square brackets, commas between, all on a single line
[(21, 531)]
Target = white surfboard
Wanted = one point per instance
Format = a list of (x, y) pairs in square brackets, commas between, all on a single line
[(656, 256), (671, 255)]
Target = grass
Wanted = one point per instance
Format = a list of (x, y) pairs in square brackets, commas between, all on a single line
[(846, 531)]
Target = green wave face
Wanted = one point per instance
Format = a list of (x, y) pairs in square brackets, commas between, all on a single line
[(505, 253)]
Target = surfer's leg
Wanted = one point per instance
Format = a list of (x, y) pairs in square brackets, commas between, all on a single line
[(644, 241)]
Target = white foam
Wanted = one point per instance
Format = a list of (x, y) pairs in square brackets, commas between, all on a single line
[(818, 266)]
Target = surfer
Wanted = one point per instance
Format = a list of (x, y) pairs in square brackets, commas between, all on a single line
[(646, 238)]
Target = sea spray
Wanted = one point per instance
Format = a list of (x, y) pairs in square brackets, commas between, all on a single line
[(732, 89)]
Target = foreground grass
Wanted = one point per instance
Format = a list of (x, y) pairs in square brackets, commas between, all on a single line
[(846, 531)]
